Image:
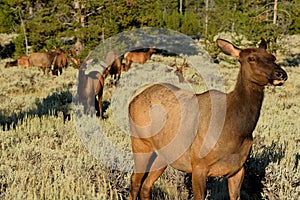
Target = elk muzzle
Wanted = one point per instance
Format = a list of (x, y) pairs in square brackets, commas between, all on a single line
[(279, 77)]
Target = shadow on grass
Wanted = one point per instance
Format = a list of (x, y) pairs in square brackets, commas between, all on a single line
[(49, 106), (292, 62)]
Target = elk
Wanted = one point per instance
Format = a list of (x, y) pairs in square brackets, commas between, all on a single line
[(90, 90), (179, 70), (23, 61), (114, 65), (60, 61), (138, 57), (207, 134), (42, 59)]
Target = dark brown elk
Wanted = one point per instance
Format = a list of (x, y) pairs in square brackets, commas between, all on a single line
[(11, 64), (42, 60), (208, 134), (23, 61), (90, 90), (114, 65), (138, 57), (60, 61)]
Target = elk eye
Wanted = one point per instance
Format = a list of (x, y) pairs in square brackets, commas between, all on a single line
[(251, 59)]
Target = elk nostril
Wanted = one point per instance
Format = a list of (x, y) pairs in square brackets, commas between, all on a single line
[(281, 74)]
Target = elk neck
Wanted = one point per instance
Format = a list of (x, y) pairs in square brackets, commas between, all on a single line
[(244, 104)]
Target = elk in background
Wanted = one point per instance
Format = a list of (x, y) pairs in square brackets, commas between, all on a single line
[(23, 61), (138, 57), (42, 60), (60, 61), (114, 65), (208, 134), (179, 70), (90, 90)]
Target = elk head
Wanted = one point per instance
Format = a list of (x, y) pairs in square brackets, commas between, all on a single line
[(258, 65)]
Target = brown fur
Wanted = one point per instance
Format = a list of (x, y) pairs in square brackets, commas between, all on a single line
[(76, 62), (60, 62), (114, 65), (43, 60), (138, 57), (90, 90), (208, 134), (23, 62)]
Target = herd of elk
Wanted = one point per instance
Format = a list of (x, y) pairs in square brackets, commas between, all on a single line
[(208, 134), (55, 60), (91, 85), (138, 57)]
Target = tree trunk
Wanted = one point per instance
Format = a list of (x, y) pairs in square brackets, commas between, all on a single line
[(80, 17), (180, 7), (24, 32), (206, 18), (275, 12)]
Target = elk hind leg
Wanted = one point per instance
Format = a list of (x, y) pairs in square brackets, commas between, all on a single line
[(157, 169), (141, 162)]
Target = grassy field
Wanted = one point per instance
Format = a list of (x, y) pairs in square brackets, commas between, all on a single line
[(44, 155)]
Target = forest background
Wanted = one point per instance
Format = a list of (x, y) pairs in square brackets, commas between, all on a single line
[(40, 24)]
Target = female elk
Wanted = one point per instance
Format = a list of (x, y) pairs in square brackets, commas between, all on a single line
[(139, 57), (60, 61), (90, 90), (179, 70), (114, 65), (163, 119)]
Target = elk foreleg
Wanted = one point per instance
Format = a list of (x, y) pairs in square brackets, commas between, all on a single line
[(235, 184), (100, 106), (199, 175)]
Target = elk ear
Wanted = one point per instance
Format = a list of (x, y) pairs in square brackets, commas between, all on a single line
[(228, 48), (263, 44)]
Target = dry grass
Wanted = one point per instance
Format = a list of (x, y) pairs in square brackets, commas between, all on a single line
[(43, 156)]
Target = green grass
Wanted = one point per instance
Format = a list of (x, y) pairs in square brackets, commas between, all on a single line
[(43, 156)]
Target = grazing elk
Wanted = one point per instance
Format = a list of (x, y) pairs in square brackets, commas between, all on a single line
[(208, 134), (138, 57), (23, 61), (60, 61), (11, 64), (114, 65), (42, 60), (90, 90)]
